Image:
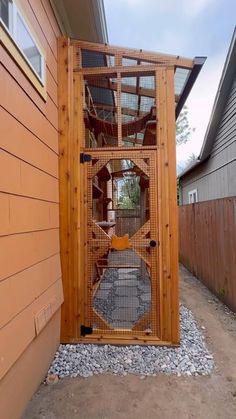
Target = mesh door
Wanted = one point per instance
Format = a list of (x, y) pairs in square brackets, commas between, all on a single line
[(122, 277)]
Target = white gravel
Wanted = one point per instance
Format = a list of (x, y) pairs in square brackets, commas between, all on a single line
[(190, 358)]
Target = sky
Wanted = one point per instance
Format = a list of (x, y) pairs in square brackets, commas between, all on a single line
[(185, 27)]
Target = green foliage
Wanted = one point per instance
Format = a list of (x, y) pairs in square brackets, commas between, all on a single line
[(183, 129), (191, 158), (222, 292), (129, 193)]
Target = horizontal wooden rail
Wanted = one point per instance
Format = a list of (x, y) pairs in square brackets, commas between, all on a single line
[(135, 54)]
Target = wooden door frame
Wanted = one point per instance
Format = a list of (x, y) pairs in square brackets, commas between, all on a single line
[(134, 335), (72, 187)]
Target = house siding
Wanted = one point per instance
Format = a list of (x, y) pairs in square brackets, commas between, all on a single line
[(216, 177), (30, 272)]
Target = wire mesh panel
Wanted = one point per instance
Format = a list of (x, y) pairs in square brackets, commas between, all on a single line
[(119, 110), (122, 274), (123, 290)]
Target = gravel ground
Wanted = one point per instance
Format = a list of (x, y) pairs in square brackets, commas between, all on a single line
[(190, 358)]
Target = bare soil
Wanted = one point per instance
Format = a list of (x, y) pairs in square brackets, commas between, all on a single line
[(130, 397)]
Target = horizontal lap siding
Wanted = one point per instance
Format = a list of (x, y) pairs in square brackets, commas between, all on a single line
[(19, 333), (207, 234), (21, 143), (19, 214), (24, 179), (28, 284), (227, 129), (30, 273), (215, 178), (15, 101)]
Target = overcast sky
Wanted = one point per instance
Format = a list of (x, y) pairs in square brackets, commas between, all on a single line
[(181, 27)]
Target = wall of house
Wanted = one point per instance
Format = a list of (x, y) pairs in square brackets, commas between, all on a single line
[(216, 178), (30, 273)]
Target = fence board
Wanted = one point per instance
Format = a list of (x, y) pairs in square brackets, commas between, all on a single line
[(207, 243), (127, 221)]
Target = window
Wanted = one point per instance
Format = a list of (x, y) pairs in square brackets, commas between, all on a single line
[(19, 31), (192, 196)]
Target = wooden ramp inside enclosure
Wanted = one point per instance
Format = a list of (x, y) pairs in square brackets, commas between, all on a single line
[(118, 192)]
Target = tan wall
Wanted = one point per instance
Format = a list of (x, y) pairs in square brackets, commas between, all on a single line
[(30, 273)]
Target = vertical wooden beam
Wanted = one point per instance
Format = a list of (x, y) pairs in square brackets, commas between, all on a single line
[(80, 184), (119, 115), (68, 189), (168, 256), (173, 230), (64, 87)]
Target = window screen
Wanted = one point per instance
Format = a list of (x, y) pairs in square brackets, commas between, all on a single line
[(28, 46)]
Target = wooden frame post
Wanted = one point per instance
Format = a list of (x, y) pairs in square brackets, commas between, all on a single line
[(75, 195), (70, 91), (167, 204)]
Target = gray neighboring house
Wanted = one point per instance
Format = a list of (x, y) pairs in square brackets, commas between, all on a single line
[(213, 174)]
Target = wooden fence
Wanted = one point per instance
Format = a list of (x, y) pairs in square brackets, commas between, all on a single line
[(127, 221), (208, 245)]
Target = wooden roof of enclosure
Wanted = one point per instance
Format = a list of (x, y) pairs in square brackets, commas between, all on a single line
[(114, 74), (106, 56)]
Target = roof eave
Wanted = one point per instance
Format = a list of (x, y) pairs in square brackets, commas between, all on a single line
[(225, 83), (81, 19), (197, 66), (190, 168)]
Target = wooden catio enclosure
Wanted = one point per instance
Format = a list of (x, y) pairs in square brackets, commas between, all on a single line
[(118, 210)]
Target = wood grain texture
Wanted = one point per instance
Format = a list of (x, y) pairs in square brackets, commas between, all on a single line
[(167, 206), (137, 54), (65, 70), (77, 268), (207, 239)]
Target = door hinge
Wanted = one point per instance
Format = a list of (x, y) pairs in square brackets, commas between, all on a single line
[(84, 158), (85, 330)]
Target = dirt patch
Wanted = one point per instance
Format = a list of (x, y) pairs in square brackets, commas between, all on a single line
[(130, 397)]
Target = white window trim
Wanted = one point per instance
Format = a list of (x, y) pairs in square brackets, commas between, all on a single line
[(13, 11), (191, 194)]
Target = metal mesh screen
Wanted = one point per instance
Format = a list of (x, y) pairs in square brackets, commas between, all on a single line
[(120, 111), (122, 277)]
